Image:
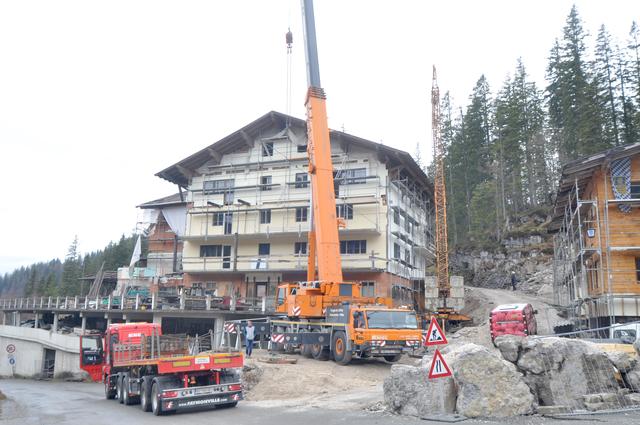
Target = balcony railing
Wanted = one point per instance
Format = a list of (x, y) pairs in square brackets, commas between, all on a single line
[(154, 302), (274, 262)]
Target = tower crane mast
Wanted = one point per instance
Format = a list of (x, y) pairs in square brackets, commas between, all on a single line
[(440, 196)]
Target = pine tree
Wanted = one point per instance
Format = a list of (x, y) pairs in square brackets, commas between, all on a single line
[(573, 111), (72, 270), (605, 82), (30, 288)]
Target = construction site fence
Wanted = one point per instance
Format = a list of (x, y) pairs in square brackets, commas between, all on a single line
[(139, 302), (598, 384)]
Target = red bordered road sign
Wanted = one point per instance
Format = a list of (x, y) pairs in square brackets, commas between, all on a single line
[(435, 335), (439, 368), (11, 348)]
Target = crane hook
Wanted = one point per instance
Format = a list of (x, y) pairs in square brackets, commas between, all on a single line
[(289, 38)]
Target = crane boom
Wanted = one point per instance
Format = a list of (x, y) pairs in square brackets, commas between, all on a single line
[(324, 243), (440, 196)]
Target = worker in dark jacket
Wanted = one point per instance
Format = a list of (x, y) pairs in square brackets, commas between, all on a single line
[(514, 280)]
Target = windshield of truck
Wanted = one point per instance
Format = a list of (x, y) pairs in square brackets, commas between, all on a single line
[(91, 343), (625, 333), (391, 320)]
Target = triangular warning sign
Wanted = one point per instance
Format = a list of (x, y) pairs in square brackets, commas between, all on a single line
[(439, 368), (435, 336)]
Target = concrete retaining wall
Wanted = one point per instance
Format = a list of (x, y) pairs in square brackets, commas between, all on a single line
[(30, 344)]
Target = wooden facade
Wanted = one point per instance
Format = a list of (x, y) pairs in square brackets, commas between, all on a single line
[(597, 241)]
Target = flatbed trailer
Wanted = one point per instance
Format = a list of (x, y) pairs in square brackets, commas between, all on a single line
[(164, 373)]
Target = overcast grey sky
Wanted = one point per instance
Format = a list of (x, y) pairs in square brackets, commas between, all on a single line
[(96, 97)]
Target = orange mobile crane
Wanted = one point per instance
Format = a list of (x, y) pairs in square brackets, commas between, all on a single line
[(326, 316)]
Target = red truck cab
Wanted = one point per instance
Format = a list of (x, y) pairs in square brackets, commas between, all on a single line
[(513, 319)]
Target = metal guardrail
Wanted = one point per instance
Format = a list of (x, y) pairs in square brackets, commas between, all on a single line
[(154, 302)]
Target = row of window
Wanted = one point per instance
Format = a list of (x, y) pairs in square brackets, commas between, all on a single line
[(346, 247), (226, 218), (227, 186), (267, 148)]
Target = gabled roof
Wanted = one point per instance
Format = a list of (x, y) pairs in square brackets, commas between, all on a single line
[(581, 171), (180, 172), (175, 199)]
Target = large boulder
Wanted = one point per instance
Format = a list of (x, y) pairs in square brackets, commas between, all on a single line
[(488, 386), (560, 371), (510, 346), (622, 361), (409, 391)]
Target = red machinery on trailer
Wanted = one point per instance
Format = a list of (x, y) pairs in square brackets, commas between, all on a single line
[(164, 373)]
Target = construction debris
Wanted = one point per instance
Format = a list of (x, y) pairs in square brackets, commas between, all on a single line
[(278, 359)]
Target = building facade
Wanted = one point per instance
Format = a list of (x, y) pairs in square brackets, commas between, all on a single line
[(248, 212), (596, 221)]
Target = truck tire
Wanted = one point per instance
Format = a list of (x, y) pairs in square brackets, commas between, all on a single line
[(145, 394), (340, 353), (128, 399), (393, 358), (156, 405), (119, 394), (320, 352), (109, 393), (305, 350)]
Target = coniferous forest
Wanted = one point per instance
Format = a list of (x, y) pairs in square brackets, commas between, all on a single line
[(505, 149), (60, 278)]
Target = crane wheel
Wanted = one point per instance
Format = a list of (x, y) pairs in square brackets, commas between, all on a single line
[(305, 350), (340, 353), (393, 358), (319, 351)]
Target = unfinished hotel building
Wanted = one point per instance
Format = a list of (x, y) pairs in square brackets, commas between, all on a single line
[(247, 204), (596, 221)]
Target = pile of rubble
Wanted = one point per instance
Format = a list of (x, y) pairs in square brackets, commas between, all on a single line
[(527, 375)]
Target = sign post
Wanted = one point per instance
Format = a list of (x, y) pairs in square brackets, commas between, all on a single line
[(436, 336)]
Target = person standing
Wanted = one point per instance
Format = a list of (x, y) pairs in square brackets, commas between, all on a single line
[(514, 280), (250, 333)]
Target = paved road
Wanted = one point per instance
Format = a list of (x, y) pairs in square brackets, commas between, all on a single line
[(44, 403)]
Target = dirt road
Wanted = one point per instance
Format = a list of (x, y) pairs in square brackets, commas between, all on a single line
[(480, 302)]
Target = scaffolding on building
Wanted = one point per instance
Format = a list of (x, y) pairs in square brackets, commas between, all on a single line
[(586, 276)]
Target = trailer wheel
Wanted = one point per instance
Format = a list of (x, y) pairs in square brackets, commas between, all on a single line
[(128, 399), (340, 353), (393, 359), (119, 394), (109, 393), (145, 399), (156, 406)]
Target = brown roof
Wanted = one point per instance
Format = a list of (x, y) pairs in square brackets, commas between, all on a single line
[(580, 172), (178, 172), (175, 199)]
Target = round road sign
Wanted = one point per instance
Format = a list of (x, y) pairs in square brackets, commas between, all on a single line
[(12, 361), (11, 348)]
